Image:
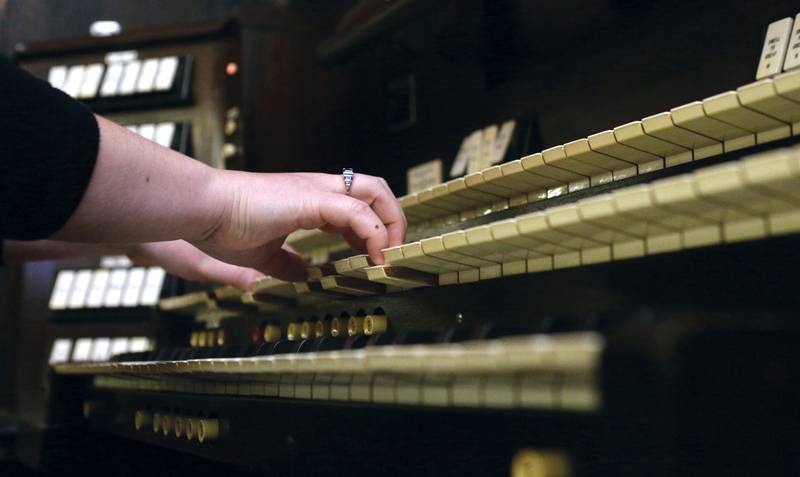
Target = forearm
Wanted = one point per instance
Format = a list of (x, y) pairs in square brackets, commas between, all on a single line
[(142, 192), (15, 251)]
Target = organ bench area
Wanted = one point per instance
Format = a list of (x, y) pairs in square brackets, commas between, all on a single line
[(623, 304)]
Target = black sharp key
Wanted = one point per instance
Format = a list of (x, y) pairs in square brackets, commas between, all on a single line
[(186, 353), (357, 342), (457, 334), (284, 346), (331, 343), (306, 346), (251, 349), (382, 339), (417, 337), (560, 324), (495, 330)]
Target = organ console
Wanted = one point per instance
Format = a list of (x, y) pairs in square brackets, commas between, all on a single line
[(622, 303)]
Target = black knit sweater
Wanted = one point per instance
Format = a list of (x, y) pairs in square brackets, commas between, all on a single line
[(48, 148)]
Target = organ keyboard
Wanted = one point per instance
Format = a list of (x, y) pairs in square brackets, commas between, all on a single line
[(619, 302), (598, 209)]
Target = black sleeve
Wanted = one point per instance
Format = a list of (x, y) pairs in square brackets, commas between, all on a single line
[(48, 148)]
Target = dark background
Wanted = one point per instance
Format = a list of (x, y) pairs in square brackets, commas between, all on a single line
[(577, 67)]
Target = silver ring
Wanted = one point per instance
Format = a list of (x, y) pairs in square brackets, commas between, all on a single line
[(347, 175)]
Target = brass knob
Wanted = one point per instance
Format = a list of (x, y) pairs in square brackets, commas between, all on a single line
[(193, 339), (211, 337), (322, 328), (540, 463), (208, 430), (191, 428), (374, 324), (307, 330), (179, 426), (339, 326), (157, 417), (355, 325), (201, 339), (167, 421), (293, 331), (221, 337), (272, 333), (142, 420), (88, 409)]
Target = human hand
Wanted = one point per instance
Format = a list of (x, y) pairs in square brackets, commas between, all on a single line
[(260, 210), (187, 261)]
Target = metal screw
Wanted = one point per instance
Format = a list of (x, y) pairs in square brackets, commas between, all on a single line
[(459, 318)]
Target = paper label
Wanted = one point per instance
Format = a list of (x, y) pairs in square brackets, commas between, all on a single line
[(424, 176)]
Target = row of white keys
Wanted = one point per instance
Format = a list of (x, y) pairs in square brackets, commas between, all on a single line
[(606, 143), (270, 286), (662, 126), (728, 108), (581, 150), (763, 96), (633, 134), (693, 117), (412, 256)]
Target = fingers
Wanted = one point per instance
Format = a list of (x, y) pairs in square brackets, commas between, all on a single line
[(340, 210), (377, 194), (213, 270), (287, 265)]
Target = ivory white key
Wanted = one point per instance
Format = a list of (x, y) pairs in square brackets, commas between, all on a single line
[(72, 84), (427, 197), (634, 135), (662, 228), (476, 181), (91, 81), (130, 76), (440, 192), (82, 350), (481, 240), (97, 289), (111, 80), (56, 76), (515, 170), (598, 240), (351, 286), (662, 126), (725, 184), (601, 212), (401, 277), (606, 143), (434, 247), (153, 283), (763, 97), (727, 107), (80, 289), (773, 53), (167, 69), (164, 134), (147, 78), (506, 231), (679, 194), (535, 164), (693, 117), (59, 298), (457, 242), (414, 257), (101, 350), (147, 131), (274, 287), (557, 157), (133, 287), (494, 176), (580, 150), (563, 247), (776, 174), (61, 351)]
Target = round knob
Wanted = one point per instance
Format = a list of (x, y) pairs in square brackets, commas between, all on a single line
[(538, 463)]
